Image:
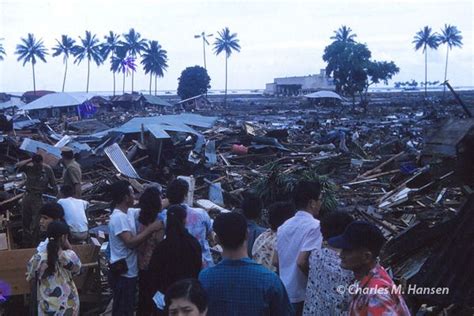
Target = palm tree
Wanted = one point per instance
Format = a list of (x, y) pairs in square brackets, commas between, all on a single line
[(90, 49), (424, 38), (109, 47), (122, 63), (226, 42), (134, 44), (2, 51), (64, 47), (154, 61), (343, 34), (452, 37), (29, 51)]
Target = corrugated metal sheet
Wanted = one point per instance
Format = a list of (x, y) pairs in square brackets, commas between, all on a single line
[(55, 100), (32, 146), (24, 124), (120, 161), (157, 131)]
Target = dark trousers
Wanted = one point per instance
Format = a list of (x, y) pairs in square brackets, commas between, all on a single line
[(30, 207), (124, 291), (145, 294), (298, 307)]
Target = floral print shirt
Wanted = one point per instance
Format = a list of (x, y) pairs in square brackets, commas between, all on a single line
[(263, 249), (57, 294), (382, 300)]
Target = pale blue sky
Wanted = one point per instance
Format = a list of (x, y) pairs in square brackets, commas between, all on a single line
[(278, 38)]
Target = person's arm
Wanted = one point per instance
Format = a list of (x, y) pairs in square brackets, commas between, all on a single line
[(280, 304), (75, 176), (303, 262), (132, 241), (52, 182), (20, 166), (70, 261), (275, 261)]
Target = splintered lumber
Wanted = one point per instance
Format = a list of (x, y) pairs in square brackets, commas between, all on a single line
[(13, 199), (379, 167), (209, 205)]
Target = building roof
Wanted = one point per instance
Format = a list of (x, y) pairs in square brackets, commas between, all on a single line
[(154, 100), (193, 98), (56, 100), (127, 97), (324, 94), (13, 102), (37, 93)]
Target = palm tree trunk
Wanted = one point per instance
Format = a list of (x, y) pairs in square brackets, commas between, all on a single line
[(426, 70), (156, 78), (225, 93), (151, 78), (88, 73), (34, 81), (132, 81), (123, 89), (65, 72), (113, 72), (445, 70)]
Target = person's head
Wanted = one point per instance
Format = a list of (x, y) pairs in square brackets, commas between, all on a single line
[(57, 233), (67, 154), (360, 245), (175, 220), (307, 196), (121, 193), (49, 213), (251, 206), (177, 191), (149, 204), (334, 224), (231, 230), (186, 297), (37, 160), (66, 191), (279, 212)]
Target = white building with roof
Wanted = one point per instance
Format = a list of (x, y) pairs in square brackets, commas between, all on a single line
[(298, 85)]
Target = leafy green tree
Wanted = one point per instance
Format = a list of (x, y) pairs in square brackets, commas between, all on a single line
[(425, 39), (380, 71), (30, 50), (226, 42), (121, 62), (192, 82), (154, 61), (452, 37), (109, 47), (343, 34), (64, 47), (89, 49), (2, 52), (134, 45)]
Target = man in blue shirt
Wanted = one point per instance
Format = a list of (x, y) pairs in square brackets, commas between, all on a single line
[(239, 285)]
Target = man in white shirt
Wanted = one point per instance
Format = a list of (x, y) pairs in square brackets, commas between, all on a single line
[(296, 238), (74, 214), (124, 240)]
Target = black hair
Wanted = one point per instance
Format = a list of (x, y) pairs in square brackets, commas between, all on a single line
[(53, 210), (67, 191), (56, 230), (150, 205), (118, 192), (279, 212), (37, 158), (334, 224), (176, 191), (306, 191), (251, 205), (231, 229), (175, 221), (189, 289), (69, 155)]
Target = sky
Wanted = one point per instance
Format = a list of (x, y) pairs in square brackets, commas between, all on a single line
[(278, 38)]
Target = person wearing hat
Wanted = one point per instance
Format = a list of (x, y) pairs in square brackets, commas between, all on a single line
[(72, 174), (374, 292), (39, 180)]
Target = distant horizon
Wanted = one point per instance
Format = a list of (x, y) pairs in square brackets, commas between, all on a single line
[(270, 48)]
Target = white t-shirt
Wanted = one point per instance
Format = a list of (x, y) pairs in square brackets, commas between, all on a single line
[(299, 233), (119, 223), (75, 214)]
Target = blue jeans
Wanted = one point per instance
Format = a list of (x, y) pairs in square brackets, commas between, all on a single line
[(124, 291)]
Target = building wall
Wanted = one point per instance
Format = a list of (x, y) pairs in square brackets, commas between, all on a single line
[(307, 84)]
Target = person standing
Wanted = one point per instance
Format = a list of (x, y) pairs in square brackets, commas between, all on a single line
[(53, 270), (252, 210), (123, 239), (296, 238), (74, 214), (39, 180), (72, 173), (375, 293), (49, 213), (238, 285), (325, 272), (186, 297)]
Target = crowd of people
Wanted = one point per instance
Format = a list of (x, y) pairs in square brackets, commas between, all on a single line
[(160, 259)]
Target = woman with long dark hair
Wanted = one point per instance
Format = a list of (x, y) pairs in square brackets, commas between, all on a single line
[(53, 270), (178, 256), (150, 205)]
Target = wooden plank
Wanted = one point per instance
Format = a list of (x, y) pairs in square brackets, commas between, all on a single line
[(13, 266)]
